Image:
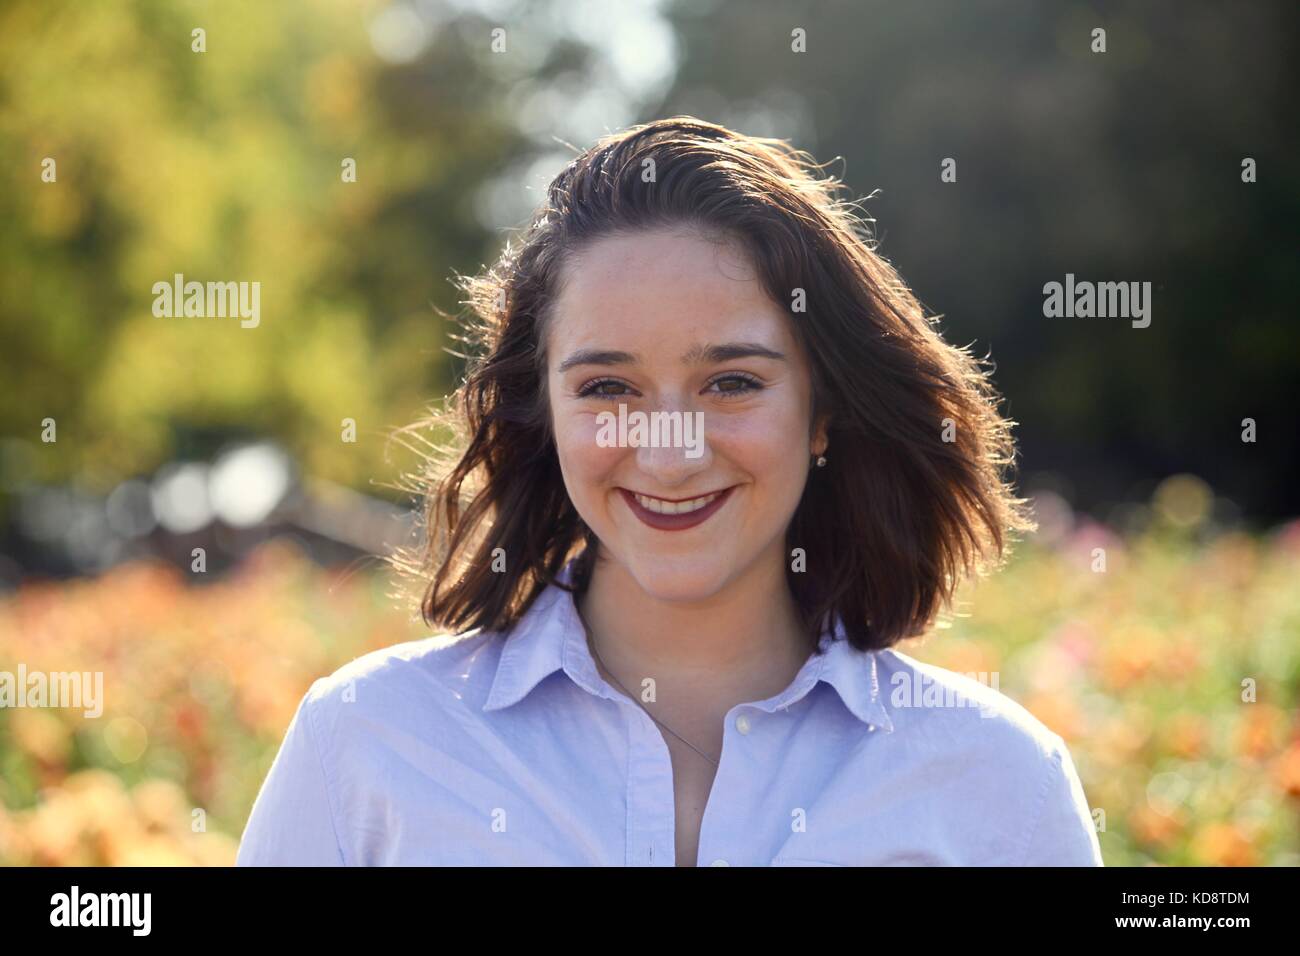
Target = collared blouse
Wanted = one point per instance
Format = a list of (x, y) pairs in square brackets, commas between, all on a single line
[(499, 750)]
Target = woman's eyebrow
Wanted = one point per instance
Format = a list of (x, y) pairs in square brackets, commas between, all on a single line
[(596, 357), (713, 354), (696, 355)]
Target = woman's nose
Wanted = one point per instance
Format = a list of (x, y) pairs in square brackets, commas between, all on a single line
[(676, 446)]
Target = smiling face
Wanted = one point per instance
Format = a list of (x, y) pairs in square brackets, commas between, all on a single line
[(669, 321)]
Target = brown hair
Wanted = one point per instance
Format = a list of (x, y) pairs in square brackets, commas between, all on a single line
[(915, 495)]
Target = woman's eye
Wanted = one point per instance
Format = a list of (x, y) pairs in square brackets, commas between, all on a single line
[(603, 388), (729, 385)]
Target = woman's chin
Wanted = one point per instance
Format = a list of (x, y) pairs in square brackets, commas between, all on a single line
[(678, 580)]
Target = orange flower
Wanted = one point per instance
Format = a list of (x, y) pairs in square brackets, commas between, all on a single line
[(42, 735), (1260, 731), (1181, 659), (970, 657), (1058, 711), (1287, 770), (1155, 829), (1131, 655), (189, 720), (1119, 739), (1186, 735), (1223, 844)]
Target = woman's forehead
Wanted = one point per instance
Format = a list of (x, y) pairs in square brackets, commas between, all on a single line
[(677, 289), (680, 264)]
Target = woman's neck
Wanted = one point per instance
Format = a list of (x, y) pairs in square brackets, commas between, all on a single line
[(743, 644)]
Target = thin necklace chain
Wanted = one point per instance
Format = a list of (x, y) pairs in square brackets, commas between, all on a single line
[(591, 643)]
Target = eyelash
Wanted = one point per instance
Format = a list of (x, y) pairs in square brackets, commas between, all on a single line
[(751, 384)]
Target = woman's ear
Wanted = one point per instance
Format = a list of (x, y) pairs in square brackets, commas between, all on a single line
[(821, 437)]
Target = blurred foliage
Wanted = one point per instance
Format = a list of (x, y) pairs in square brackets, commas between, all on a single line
[(1139, 668), (1122, 166), (225, 165)]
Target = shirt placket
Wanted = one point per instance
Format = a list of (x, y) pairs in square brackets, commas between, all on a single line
[(649, 794), (651, 821), (749, 737)]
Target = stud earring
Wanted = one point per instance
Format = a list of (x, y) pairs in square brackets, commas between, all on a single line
[(821, 461)]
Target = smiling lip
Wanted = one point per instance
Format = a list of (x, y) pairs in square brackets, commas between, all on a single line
[(681, 520)]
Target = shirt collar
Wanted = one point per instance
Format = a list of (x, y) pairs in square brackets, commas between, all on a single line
[(550, 637)]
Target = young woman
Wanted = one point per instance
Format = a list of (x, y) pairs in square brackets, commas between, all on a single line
[(715, 464)]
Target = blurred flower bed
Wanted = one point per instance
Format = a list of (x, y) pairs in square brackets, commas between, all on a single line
[(200, 683), (1142, 670), (1139, 668)]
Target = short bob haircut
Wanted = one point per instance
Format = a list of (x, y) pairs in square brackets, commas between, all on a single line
[(916, 494)]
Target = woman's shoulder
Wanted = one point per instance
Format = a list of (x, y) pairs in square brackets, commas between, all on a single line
[(965, 739), (403, 681), (966, 711)]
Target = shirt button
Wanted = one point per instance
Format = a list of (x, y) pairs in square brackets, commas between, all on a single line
[(719, 863), (742, 724)]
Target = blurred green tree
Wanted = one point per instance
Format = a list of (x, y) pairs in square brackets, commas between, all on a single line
[(228, 165)]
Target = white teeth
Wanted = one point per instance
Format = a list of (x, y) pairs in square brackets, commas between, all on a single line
[(662, 507)]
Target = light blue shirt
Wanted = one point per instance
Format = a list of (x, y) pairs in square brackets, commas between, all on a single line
[(489, 750)]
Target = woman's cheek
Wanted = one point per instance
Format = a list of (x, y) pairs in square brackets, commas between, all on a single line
[(580, 452), (763, 441)]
